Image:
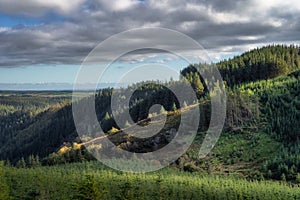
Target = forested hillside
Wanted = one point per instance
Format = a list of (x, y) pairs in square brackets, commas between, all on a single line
[(258, 64), (262, 116), (24, 119)]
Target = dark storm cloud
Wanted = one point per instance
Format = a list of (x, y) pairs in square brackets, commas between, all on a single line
[(222, 27)]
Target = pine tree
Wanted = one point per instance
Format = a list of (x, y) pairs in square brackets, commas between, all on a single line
[(127, 124), (174, 107), (7, 163), (4, 188), (37, 161), (88, 189), (107, 116), (197, 85), (21, 163), (283, 177), (31, 161), (185, 104), (162, 110)]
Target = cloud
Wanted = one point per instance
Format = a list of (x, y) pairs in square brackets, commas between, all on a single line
[(221, 27), (38, 7), (118, 5)]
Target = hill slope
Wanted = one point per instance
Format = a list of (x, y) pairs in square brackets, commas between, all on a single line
[(262, 120)]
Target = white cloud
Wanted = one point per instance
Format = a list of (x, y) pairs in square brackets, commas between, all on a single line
[(119, 5), (4, 29), (250, 38)]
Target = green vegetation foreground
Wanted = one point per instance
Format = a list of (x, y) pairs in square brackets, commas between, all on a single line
[(90, 180)]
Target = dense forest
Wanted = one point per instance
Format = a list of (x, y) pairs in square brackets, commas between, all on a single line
[(260, 139)]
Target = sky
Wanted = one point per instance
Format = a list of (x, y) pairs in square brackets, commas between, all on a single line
[(46, 41)]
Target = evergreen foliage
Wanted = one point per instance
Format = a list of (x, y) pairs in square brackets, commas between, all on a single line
[(93, 181)]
